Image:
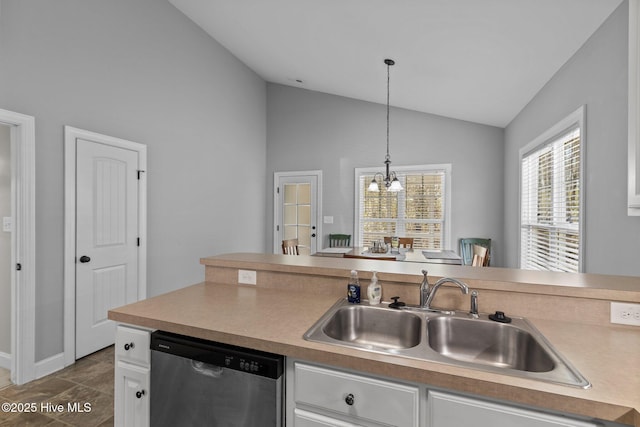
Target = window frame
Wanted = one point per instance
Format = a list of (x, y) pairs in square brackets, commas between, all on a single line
[(445, 167), (573, 120)]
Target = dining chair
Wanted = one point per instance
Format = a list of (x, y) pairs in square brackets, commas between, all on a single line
[(403, 242), (467, 252), (290, 247), (339, 240)]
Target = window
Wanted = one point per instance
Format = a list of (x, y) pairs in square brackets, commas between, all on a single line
[(420, 211), (551, 212)]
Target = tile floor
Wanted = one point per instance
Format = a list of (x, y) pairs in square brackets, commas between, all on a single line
[(88, 381), (5, 378)]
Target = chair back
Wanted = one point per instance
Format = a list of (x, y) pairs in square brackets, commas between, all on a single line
[(290, 247), (403, 242), (482, 251), (339, 240)]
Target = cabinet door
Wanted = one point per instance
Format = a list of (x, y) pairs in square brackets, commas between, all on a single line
[(448, 410), (131, 395), (309, 419)]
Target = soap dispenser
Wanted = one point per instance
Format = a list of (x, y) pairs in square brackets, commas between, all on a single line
[(353, 288), (374, 291)]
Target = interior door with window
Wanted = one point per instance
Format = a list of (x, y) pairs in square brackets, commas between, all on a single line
[(297, 208)]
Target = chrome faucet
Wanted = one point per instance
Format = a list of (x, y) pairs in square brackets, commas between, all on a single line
[(424, 288), (463, 287)]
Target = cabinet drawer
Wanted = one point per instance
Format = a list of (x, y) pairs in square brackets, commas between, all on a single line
[(309, 419), (448, 410), (132, 345), (356, 396)]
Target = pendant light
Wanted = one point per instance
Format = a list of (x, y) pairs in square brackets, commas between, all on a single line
[(390, 180)]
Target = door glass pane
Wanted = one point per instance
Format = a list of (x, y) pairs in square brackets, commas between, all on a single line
[(304, 235), (304, 193), (290, 216), (304, 215), (290, 195), (290, 232)]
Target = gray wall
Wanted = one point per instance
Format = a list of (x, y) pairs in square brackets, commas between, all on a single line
[(310, 130), (5, 240), (138, 70), (596, 76)]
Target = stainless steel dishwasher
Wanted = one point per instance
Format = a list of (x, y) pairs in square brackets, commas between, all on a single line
[(196, 382)]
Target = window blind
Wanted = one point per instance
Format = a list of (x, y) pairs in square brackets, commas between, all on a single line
[(418, 211), (550, 204)]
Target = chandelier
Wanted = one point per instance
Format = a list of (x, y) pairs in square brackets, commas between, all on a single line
[(390, 179)]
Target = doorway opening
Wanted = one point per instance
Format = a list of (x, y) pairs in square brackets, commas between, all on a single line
[(18, 142)]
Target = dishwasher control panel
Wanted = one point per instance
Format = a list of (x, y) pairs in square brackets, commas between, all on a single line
[(224, 355)]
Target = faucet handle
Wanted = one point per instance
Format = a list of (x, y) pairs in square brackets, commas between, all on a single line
[(474, 303), (396, 303)]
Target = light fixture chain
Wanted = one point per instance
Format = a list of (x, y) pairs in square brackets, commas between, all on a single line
[(388, 83)]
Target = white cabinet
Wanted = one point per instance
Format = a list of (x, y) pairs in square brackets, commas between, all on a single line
[(131, 395), (449, 410), (323, 396), (132, 376)]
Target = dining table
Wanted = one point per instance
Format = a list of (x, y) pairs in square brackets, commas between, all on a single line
[(434, 256)]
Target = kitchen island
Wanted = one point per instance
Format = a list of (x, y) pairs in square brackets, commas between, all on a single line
[(292, 293)]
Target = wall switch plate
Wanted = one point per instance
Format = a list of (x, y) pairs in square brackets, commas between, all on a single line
[(328, 220), (247, 277), (625, 313), (7, 224)]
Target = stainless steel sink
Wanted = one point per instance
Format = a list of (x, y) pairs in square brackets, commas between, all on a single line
[(488, 343), (453, 338), (374, 327)]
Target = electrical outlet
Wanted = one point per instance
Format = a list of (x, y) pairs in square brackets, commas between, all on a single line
[(247, 277), (625, 313), (7, 224)]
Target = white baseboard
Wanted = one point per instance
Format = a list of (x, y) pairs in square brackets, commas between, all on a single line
[(49, 365), (5, 360)]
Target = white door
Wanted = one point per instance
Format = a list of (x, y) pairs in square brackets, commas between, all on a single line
[(106, 239), (297, 207)]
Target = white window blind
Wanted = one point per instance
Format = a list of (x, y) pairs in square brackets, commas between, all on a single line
[(551, 204), (419, 211)]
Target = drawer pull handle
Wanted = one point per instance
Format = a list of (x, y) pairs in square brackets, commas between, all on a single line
[(140, 393), (128, 346), (349, 400)]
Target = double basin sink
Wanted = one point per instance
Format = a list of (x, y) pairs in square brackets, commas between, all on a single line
[(455, 338)]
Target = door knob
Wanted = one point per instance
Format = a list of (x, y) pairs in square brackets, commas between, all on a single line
[(84, 259)]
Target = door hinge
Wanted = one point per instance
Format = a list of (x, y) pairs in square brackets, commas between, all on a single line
[(139, 172), (18, 266), (277, 228), (138, 241), (278, 190)]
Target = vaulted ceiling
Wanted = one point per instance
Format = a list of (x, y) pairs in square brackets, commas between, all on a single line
[(475, 60)]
